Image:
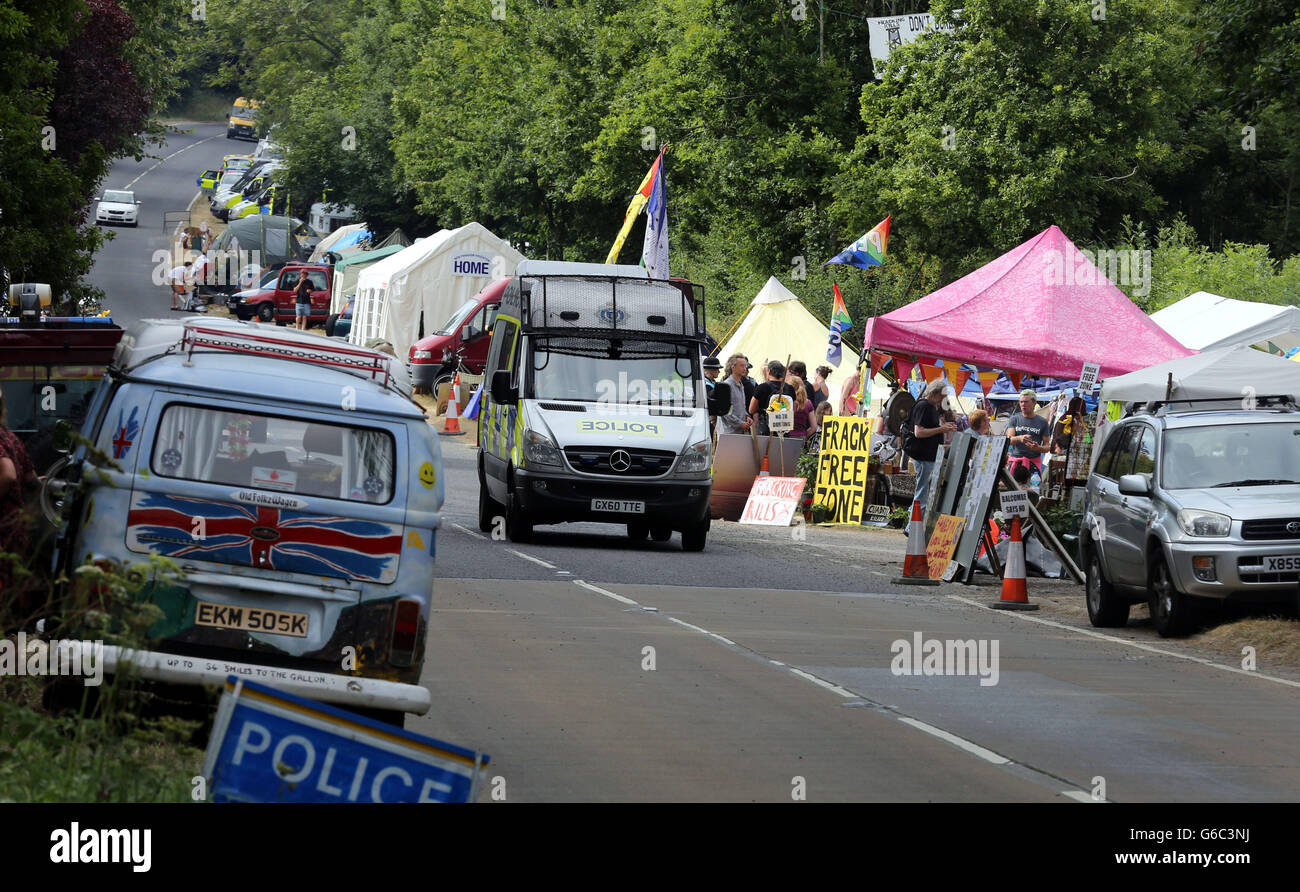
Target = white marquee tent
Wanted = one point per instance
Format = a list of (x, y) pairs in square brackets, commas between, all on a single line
[(1204, 321), (430, 279)]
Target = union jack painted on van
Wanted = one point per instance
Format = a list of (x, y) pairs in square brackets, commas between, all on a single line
[(262, 536)]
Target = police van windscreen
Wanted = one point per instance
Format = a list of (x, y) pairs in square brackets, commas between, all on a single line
[(458, 318), (615, 371), (243, 111)]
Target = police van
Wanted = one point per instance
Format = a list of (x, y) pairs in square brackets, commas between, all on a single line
[(595, 407), (296, 487)]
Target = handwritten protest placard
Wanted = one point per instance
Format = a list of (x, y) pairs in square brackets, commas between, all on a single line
[(773, 500), (947, 529), (842, 468)]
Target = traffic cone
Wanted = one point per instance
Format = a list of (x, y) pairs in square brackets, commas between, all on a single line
[(451, 427), (764, 471), (1015, 594), (916, 568)]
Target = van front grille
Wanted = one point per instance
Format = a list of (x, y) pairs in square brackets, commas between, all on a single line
[(601, 460)]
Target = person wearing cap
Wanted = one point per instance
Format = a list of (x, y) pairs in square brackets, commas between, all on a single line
[(1028, 435), (928, 430), (712, 368)]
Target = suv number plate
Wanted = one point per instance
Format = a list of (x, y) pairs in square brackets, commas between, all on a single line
[(1281, 563), (618, 505)]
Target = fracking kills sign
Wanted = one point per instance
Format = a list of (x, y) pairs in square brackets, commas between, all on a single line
[(773, 500), (842, 468)]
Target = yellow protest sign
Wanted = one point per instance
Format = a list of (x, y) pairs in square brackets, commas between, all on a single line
[(842, 468), (943, 542)]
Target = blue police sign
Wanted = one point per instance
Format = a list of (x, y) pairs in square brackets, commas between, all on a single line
[(269, 746)]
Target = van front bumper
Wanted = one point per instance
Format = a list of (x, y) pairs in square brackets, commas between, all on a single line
[(560, 498), (344, 690)]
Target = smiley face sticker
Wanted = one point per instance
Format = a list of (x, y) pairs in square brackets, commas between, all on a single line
[(428, 476)]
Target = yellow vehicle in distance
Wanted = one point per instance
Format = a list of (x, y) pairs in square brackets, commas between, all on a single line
[(241, 123)]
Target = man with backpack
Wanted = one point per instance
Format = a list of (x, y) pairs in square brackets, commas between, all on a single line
[(923, 432)]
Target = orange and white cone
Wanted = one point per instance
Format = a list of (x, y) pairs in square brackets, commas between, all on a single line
[(1015, 592), (451, 427), (765, 470), (916, 567)]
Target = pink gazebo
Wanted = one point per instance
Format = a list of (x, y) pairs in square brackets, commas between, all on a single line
[(1042, 308)]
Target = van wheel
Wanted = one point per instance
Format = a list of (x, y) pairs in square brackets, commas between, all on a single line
[(693, 537), (661, 534), (266, 313), (519, 527), (637, 531), (1106, 608), (488, 509), (1171, 613)]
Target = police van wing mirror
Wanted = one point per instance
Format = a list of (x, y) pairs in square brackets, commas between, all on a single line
[(502, 392)]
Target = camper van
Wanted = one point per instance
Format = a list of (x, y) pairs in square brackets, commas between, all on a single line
[(296, 487), (595, 407)]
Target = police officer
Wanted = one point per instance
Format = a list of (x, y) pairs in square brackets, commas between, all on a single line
[(712, 368)]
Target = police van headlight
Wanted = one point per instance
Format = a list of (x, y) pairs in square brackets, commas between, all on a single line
[(695, 460), (539, 450)]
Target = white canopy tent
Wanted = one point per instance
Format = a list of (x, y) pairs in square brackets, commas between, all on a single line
[(430, 279), (337, 235), (1211, 374), (1204, 321)]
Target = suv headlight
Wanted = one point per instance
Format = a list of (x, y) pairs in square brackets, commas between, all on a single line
[(539, 450), (1204, 523), (695, 460)]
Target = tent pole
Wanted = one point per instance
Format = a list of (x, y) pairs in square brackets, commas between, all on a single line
[(1169, 388)]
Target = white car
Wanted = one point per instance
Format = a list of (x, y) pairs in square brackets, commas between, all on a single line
[(118, 207)]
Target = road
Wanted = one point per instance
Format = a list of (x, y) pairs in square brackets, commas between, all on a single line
[(595, 669), (772, 678), (125, 268)]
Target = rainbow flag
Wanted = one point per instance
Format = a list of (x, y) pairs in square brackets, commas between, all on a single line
[(639, 201), (867, 251), (840, 323)]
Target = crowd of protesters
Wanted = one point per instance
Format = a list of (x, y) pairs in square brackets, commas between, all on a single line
[(739, 403)]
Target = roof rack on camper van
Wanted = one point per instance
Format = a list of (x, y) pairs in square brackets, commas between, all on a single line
[(597, 300), (217, 336), (1282, 401)]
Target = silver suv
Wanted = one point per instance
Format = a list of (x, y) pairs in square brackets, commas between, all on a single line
[(1193, 504)]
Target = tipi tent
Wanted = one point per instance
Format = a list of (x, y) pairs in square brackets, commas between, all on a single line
[(1204, 321), (416, 290), (777, 326), (1042, 308)]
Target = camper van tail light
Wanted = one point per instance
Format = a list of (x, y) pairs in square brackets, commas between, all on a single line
[(406, 627), (539, 450), (695, 460), (421, 354)]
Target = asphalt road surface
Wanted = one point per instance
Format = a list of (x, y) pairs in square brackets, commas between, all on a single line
[(127, 265), (595, 669), (772, 679)]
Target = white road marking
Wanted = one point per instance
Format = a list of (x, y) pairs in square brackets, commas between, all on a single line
[(468, 532), (1135, 644), (608, 594), (1080, 796), (973, 748), (168, 158), (821, 682), (529, 557)]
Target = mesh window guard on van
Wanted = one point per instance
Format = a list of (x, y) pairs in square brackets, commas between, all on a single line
[(613, 370)]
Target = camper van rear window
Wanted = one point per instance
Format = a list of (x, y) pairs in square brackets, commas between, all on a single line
[(268, 452)]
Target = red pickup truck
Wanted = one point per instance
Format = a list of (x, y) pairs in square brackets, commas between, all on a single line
[(277, 305)]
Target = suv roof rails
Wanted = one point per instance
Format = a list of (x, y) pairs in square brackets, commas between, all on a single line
[(1164, 407)]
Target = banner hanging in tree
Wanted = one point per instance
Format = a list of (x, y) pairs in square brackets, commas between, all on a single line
[(842, 468)]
